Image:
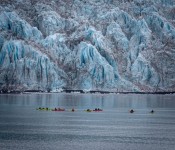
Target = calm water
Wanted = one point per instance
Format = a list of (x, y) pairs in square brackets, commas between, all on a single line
[(22, 127)]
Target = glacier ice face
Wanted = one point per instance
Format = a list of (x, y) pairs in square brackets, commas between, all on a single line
[(99, 69), (140, 39), (98, 40), (144, 72), (50, 22), (160, 26), (98, 44), (20, 28), (116, 34), (56, 45), (1, 41), (21, 63)]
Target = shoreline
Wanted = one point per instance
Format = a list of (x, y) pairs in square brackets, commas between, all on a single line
[(82, 92)]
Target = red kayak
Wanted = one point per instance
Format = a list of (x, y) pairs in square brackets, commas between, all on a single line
[(98, 110), (59, 109)]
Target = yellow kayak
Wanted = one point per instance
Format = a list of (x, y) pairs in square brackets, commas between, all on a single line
[(44, 109), (88, 110)]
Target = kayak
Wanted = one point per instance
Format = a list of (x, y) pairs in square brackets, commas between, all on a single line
[(60, 109), (73, 110), (131, 111), (88, 110), (44, 109), (98, 110)]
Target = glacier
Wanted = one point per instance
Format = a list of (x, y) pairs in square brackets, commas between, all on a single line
[(124, 45)]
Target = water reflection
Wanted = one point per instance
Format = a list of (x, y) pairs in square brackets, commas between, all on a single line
[(22, 125), (81, 101)]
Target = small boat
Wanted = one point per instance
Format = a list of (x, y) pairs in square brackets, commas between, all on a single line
[(131, 111), (88, 110), (97, 109), (58, 109), (44, 109), (152, 111)]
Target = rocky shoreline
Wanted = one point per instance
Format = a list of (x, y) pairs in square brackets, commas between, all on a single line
[(83, 92)]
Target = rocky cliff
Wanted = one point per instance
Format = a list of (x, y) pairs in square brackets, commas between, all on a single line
[(115, 45)]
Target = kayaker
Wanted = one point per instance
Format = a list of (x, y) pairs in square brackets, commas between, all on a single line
[(88, 110), (73, 109), (152, 111), (131, 111)]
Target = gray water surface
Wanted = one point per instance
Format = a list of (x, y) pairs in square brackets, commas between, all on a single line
[(22, 127)]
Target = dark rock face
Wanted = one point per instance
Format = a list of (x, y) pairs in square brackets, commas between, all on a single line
[(125, 45)]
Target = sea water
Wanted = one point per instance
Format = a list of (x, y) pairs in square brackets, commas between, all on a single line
[(22, 127)]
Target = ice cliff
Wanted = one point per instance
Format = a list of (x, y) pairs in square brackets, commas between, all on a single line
[(124, 45)]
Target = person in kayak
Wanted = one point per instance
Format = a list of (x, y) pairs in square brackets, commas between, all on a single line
[(73, 109), (97, 109), (88, 110), (152, 111), (60, 109), (131, 111)]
